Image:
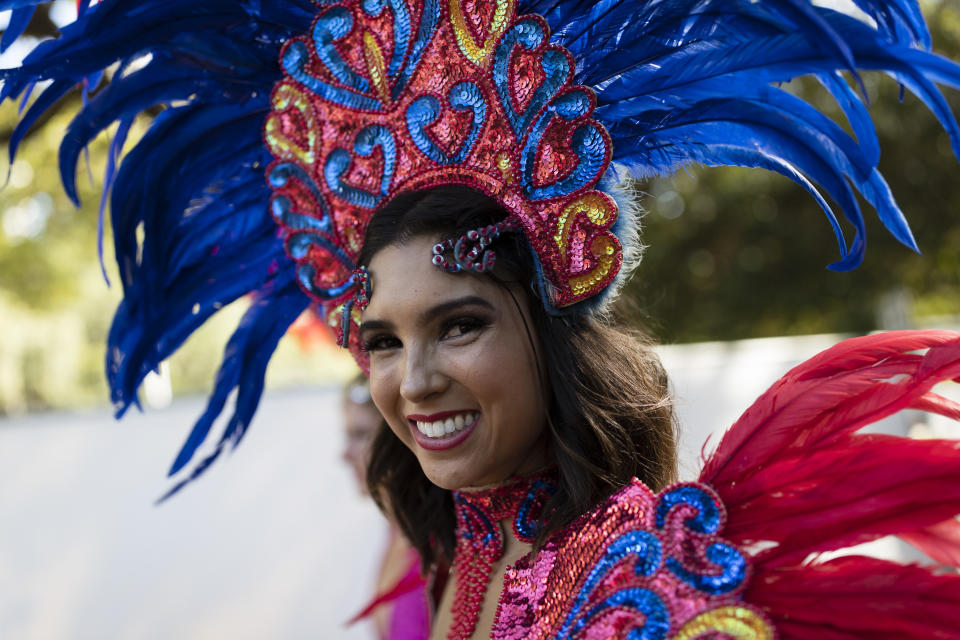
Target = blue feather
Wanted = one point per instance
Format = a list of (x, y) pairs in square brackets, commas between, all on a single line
[(113, 155), (244, 367), (678, 82), (194, 183), (19, 20), (43, 103), (673, 77), (900, 20)]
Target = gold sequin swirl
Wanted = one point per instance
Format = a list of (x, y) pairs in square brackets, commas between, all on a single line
[(593, 205), (738, 623), (475, 53), (376, 66), (289, 97)]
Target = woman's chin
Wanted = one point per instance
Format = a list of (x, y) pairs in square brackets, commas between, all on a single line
[(449, 479)]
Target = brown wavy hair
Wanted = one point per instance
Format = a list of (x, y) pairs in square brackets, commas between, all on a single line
[(610, 416)]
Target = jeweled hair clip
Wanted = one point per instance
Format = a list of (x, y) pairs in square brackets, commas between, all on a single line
[(360, 300), (470, 251)]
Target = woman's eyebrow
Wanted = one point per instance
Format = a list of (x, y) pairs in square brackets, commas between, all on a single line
[(375, 325), (443, 308), (430, 314)]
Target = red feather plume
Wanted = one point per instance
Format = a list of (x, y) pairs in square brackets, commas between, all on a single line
[(855, 597), (798, 480)]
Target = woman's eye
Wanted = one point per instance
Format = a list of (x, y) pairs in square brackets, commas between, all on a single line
[(379, 343), (462, 327)]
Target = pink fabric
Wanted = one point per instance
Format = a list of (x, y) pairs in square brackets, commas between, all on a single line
[(410, 618)]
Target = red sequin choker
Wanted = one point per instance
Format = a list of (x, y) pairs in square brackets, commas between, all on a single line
[(480, 539)]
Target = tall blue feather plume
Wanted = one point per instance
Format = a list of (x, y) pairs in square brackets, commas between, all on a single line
[(193, 184), (674, 76), (19, 20)]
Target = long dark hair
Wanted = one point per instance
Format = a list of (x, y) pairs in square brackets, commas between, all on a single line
[(610, 416)]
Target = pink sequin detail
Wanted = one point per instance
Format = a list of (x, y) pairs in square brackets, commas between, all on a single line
[(545, 595), (480, 541)]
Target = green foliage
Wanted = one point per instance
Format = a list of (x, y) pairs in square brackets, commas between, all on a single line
[(737, 253)]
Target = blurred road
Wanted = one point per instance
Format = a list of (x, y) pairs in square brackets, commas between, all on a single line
[(273, 542)]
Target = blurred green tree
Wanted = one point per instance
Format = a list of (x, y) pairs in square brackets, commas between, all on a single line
[(742, 253)]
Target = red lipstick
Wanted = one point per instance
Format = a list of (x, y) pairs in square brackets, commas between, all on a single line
[(445, 442)]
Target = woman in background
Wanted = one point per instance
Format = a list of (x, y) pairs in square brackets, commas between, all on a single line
[(399, 609)]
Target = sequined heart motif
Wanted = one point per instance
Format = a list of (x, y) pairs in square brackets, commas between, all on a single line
[(589, 252), (512, 78), (468, 24)]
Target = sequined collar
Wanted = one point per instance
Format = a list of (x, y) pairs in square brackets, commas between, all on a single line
[(480, 539)]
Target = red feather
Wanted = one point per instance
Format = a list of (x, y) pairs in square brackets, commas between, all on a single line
[(797, 479), (793, 472), (935, 403), (941, 541), (853, 377), (855, 597)]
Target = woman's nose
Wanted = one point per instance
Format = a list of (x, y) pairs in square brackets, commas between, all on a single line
[(422, 378)]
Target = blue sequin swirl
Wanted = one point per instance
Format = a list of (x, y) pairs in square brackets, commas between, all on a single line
[(707, 519), (587, 142), (656, 624), (529, 34), (295, 59), (731, 562), (299, 245), (280, 175), (281, 206), (490, 530), (401, 29), (526, 526), (429, 16), (642, 545), (424, 111), (332, 25), (339, 160)]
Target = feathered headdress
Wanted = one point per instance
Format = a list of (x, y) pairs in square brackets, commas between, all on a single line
[(542, 104)]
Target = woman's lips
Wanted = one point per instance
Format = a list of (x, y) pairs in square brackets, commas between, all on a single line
[(445, 430)]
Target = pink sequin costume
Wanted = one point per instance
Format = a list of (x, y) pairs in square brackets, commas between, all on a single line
[(638, 561), (737, 558)]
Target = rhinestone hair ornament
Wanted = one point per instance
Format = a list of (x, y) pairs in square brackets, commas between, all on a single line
[(384, 97)]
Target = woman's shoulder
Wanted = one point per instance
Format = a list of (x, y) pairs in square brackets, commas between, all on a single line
[(638, 560)]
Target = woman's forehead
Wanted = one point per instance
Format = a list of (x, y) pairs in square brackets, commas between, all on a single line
[(403, 275)]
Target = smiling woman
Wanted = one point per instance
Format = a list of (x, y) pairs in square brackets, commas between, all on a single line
[(453, 370), (444, 346), (482, 387), (447, 178)]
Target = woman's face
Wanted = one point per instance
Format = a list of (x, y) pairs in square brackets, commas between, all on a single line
[(452, 369), (360, 423)]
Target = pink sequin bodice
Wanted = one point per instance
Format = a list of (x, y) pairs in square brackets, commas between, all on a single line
[(640, 565)]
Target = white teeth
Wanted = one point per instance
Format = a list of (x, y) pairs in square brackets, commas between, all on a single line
[(442, 428)]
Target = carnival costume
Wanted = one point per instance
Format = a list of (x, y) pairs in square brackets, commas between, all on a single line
[(544, 105)]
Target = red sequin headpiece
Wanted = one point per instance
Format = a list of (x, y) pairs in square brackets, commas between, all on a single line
[(390, 96)]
